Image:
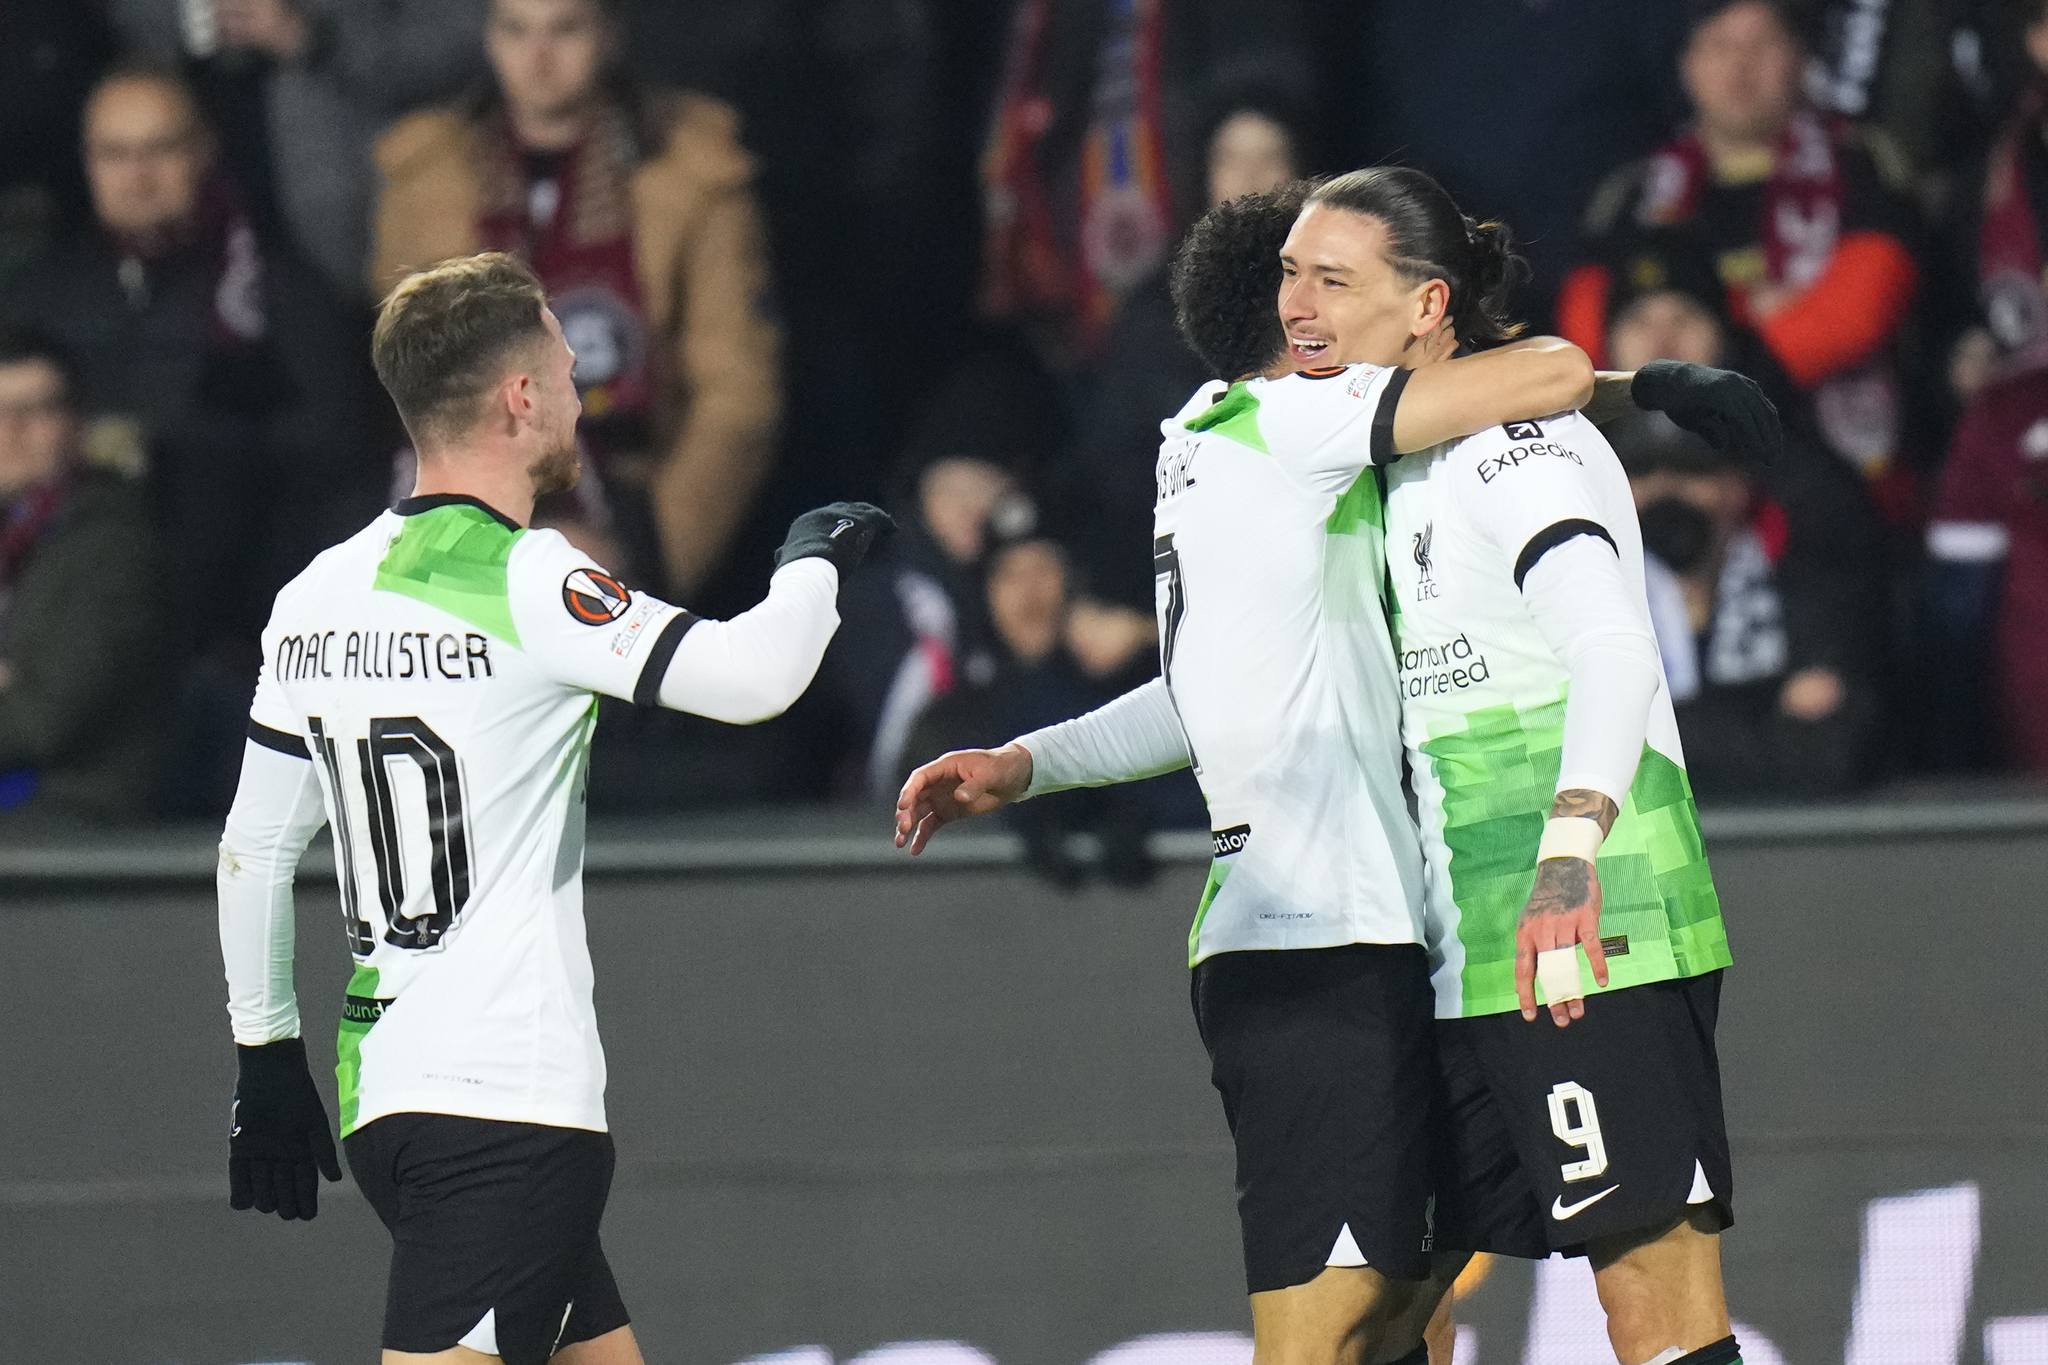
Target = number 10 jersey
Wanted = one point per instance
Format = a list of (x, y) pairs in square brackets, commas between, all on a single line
[(439, 669)]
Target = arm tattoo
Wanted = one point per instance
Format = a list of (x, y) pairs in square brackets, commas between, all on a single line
[(1613, 397), (1563, 885), (1591, 804)]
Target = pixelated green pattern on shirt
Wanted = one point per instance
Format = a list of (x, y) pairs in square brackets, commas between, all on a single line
[(1499, 774), (1235, 415), (454, 558), (1219, 872), (348, 1048)]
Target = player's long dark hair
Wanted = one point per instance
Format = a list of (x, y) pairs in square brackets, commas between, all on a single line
[(1428, 238)]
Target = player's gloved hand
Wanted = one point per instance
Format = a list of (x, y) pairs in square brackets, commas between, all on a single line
[(842, 532), (1725, 408), (279, 1144)]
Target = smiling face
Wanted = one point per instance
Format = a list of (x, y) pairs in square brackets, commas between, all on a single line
[(1343, 302)]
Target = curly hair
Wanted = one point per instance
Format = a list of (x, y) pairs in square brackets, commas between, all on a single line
[(1226, 281)]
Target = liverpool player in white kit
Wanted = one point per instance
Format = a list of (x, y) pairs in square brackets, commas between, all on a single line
[(429, 691)]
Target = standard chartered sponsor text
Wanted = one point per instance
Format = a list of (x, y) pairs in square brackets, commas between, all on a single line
[(1433, 670)]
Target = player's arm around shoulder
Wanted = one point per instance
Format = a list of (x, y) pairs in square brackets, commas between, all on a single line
[(1465, 395)]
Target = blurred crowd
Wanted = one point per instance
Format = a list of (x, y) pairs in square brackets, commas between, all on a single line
[(915, 251)]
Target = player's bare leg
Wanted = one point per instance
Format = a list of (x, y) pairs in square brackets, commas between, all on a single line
[(617, 1347), (1335, 1319), (1661, 1289), (1420, 1310)]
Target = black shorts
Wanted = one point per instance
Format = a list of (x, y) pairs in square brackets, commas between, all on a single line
[(1556, 1136), (1326, 1063), (490, 1217)]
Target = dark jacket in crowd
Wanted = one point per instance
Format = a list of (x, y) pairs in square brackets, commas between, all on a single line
[(1802, 587), (1099, 497), (81, 637), (256, 446), (50, 53)]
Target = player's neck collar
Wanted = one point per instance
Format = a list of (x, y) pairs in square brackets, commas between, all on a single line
[(412, 507)]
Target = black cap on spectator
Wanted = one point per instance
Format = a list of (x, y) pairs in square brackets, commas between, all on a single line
[(1660, 262), (27, 345)]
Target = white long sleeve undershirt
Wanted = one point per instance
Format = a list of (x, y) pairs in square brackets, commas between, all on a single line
[(277, 811), (1136, 736), (1599, 629), (754, 667)]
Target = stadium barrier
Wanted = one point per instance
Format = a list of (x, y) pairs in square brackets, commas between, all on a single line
[(941, 1114)]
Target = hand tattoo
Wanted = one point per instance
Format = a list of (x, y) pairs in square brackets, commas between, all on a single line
[(1591, 804), (1564, 886)]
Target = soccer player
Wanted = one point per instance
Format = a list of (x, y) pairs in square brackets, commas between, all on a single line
[(429, 690), (1554, 806), (1279, 684)]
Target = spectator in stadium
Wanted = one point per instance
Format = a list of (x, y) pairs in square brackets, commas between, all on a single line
[(226, 356), (1037, 680), (2008, 249), (1803, 216), (1095, 157), (307, 86), (917, 622), (78, 707), (636, 209), (1099, 497), (51, 51), (1761, 581), (1988, 627)]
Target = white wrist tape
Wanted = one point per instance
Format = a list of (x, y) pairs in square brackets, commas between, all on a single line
[(1570, 836), (1557, 974)]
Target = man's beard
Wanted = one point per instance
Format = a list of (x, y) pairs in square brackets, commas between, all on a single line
[(556, 471)]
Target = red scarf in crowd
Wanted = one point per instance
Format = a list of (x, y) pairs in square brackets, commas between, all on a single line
[(579, 239), (1802, 218), (2009, 266), (222, 235), (1124, 218)]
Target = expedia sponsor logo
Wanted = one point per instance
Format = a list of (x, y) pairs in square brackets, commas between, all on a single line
[(1438, 670), (1224, 842), (595, 598), (1522, 431), (1492, 467)]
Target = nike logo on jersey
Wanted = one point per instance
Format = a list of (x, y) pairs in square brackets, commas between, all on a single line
[(1561, 1210)]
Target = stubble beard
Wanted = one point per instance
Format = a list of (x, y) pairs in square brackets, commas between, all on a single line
[(557, 471)]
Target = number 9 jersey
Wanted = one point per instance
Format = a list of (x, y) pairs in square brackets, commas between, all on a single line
[(430, 683)]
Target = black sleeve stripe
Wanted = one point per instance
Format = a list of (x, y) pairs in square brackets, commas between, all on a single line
[(1554, 535), (287, 744), (647, 691), (1381, 451)]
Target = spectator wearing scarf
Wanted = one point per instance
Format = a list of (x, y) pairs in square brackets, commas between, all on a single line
[(1804, 219), (78, 721), (637, 211)]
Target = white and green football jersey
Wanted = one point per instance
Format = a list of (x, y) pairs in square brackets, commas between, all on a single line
[(1273, 642), (1483, 704), (440, 667)]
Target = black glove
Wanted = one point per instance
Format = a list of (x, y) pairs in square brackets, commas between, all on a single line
[(1726, 408), (842, 532), (279, 1143)]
